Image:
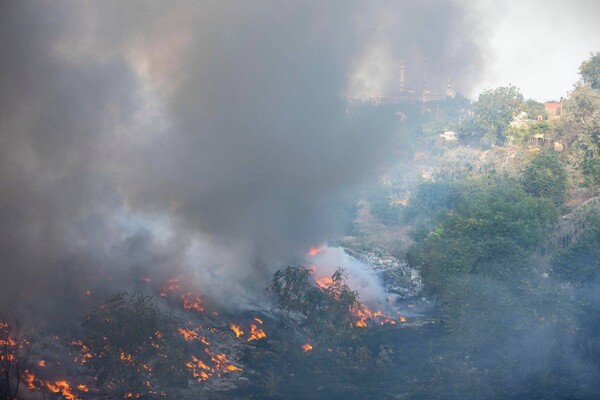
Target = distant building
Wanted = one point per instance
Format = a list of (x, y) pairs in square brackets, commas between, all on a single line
[(553, 109), (449, 136), (541, 141), (404, 94)]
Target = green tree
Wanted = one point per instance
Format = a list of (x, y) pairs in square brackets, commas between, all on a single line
[(545, 176), (534, 109), (492, 115), (491, 228), (580, 132), (590, 71)]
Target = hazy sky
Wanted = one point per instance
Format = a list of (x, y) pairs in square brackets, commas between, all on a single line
[(539, 45)]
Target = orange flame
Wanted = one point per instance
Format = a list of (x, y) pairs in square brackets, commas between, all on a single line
[(364, 314), (256, 333), (192, 302), (324, 282), (29, 380), (126, 357), (236, 329), (172, 286), (313, 251), (307, 347), (190, 335), (84, 352), (63, 388), (221, 361), (200, 371)]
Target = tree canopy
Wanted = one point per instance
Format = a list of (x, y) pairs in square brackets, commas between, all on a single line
[(492, 115), (590, 71)]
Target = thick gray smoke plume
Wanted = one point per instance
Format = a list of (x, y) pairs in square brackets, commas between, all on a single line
[(216, 135)]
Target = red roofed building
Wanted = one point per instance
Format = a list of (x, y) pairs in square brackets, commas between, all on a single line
[(553, 109)]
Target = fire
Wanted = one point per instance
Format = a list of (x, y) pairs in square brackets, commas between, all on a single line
[(256, 333), (172, 286), (192, 302), (41, 363), (84, 351), (324, 282), (63, 388), (190, 335), (59, 386), (307, 347), (364, 314), (126, 357), (29, 380), (313, 251), (258, 320), (236, 329), (200, 371), (222, 363)]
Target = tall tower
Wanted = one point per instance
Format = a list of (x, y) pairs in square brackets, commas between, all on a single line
[(402, 76), (449, 92)]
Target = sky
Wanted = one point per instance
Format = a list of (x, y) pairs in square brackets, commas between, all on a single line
[(537, 45)]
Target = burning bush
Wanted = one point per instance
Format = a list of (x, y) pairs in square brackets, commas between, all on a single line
[(132, 347), (327, 311)]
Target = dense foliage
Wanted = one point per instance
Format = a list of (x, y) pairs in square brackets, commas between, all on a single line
[(492, 114), (546, 177)]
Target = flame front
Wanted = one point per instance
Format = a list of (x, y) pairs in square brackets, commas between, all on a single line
[(307, 347)]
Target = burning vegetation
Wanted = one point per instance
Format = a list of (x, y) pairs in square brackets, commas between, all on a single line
[(141, 346)]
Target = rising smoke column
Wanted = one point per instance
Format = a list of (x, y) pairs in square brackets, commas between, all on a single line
[(219, 123)]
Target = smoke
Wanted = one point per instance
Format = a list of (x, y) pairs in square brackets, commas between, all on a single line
[(156, 136), (360, 276)]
